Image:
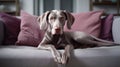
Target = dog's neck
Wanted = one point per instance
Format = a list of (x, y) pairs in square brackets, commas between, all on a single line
[(54, 37), (58, 40), (49, 34)]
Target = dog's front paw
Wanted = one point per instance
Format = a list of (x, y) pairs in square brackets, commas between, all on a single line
[(65, 57), (57, 57)]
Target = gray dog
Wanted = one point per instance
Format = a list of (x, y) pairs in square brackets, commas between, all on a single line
[(52, 22)]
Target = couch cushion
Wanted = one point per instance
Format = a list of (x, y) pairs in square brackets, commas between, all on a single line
[(106, 28), (22, 56), (88, 22), (12, 28), (30, 33)]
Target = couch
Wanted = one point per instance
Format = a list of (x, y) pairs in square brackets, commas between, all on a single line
[(29, 56)]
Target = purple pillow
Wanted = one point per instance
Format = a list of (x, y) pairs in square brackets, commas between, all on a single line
[(30, 34), (106, 28), (12, 28)]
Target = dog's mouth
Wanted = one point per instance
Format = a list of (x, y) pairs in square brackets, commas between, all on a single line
[(57, 31)]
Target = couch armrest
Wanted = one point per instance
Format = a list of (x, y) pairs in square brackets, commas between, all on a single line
[(1, 31)]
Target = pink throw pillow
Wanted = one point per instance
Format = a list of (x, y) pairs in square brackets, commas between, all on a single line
[(106, 28), (30, 34), (88, 22)]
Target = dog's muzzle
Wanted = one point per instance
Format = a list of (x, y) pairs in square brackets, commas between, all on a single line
[(57, 31)]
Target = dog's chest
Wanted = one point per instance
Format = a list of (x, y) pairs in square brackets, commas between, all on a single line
[(59, 41)]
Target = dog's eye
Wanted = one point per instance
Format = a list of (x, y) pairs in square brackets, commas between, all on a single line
[(62, 18), (52, 18)]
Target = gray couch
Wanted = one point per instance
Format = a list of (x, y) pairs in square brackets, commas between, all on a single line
[(24, 56)]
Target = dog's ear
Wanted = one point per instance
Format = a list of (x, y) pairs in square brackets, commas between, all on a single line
[(43, 19), (70, 19)]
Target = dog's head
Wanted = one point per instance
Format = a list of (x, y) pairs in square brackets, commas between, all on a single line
[(54, 21)]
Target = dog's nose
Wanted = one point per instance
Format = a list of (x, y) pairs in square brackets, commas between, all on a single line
[(57, 30)]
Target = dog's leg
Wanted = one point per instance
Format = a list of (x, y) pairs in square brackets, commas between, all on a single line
[(92, 40), (66, 54), (93, 43), (99, 43), (45, 46), (104, 42), (101, 40), (56, 54)]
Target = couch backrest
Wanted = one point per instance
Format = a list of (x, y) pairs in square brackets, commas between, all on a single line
[(116, 29), (1, 32)]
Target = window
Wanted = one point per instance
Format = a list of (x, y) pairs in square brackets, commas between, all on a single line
[(41, 6)]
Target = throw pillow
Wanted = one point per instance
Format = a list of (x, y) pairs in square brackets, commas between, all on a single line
[(12, 28), (88, 22), (106, 28), (30, 34)]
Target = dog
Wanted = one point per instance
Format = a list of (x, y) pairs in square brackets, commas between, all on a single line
[(52, 22)]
